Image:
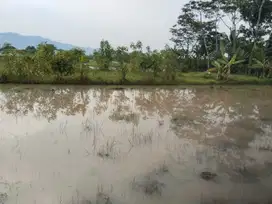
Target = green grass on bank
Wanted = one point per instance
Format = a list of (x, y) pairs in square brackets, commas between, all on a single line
[(99, 77), (1, 66), (201, 78)]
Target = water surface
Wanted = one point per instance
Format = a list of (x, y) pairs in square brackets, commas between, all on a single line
[(80, 145)]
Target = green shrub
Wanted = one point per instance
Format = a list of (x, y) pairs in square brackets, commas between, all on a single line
[(212, 70), (62, 63)]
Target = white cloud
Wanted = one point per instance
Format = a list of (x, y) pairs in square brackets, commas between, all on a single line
[(86, 22)]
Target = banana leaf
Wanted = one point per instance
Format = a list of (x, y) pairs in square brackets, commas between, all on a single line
[(216, 64), (222, 61), (256, 66), (238, 62)]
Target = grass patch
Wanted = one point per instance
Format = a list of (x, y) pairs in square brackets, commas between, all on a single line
[(2, 66), (102, 77), (92, 63)]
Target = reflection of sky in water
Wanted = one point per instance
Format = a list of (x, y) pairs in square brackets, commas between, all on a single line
[(50, 141)]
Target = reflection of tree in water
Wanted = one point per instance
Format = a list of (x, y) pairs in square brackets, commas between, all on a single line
[(49, 103), (45, 103), (162, 101), (221, 116), (102, 98), (127, 104), (215, 112), (224, 123), (124, 108)]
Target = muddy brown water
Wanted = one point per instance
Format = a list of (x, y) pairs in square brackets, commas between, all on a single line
[(82, 145)]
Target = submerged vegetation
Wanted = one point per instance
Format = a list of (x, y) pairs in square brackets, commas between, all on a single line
[(201, 53)]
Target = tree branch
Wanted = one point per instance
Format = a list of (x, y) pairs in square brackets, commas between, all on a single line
[(259, 18), (224, 23)]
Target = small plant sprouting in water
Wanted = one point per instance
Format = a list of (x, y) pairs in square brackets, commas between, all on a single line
[(102, 197), (63, 127), (140, 139), (87, 125), (107, 150), (163, 168), (3, 197), (149, 186)]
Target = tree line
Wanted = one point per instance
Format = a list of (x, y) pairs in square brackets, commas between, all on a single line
[(245, 49), (199, 44), (46, 59)]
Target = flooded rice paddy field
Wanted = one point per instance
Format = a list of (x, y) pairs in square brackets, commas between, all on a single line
[(83, 145)]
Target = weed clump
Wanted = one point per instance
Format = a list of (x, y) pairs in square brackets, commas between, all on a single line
[(107, 150), (149, 186), (163, 168), (208, 176), (102, 197), (137, 139), (3, 198)]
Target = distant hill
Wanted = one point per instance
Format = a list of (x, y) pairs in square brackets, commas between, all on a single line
[(22, 41)]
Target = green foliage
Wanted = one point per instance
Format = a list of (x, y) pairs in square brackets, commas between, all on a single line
[(199, 42), (261, 62), (197, 33), (122, 56), (62, 63), (23, 66), (83, 67), (7, 48), (214, 70), (104, 55), (224, 64), (150, 61), (258, 14), (170, 63), (136, 55), (46, 51), (76, 54), (268, 49), (30, 50), (46, 60)]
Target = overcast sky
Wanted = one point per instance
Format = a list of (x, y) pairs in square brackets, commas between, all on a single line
[(86, 22)]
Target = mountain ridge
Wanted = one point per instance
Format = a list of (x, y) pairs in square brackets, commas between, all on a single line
[(22, 41)]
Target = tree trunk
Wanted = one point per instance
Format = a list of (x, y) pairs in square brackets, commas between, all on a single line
[(124, 72), (259, 19), (255, 34), (207, 52)]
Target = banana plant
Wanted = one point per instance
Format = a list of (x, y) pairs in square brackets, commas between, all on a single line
[(262, 62), (265, 65), (225, 63)]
